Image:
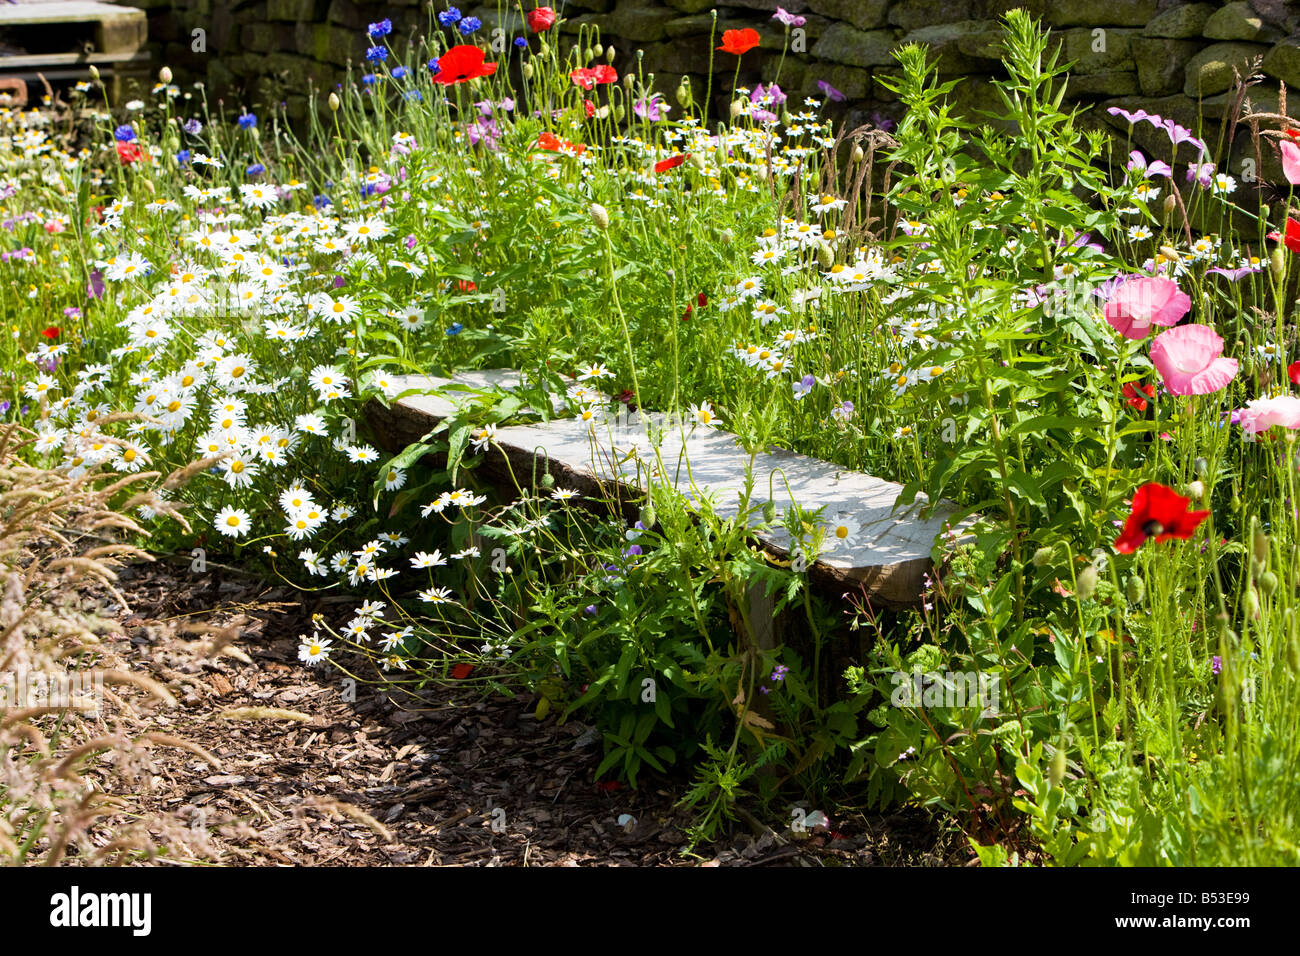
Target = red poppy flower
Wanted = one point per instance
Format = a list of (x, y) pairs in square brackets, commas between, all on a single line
[(672, 162), (129, 153), (461, 64), (461, 671), (588, 79), (553, 143), (1158, 512), (1292, 238), (51, 333), (739, 41), (465, 285), (1293, 372), (609, 786), (1137, 396), (590, 108), (541, 19), (702, 300), (686, 316), (1294, 134)]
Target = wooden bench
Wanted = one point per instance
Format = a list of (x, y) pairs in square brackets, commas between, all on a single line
[(889, 560), (58, 39)]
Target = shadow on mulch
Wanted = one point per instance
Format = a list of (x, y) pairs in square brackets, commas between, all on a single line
[(462, 780)]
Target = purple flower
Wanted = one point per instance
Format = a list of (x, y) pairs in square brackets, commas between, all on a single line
[(95, 287), (654, 109), (72, 312), (590, 609), (340, 282), (778, 674), (788, 19), (124, 134), (1138, 162), (1233, 274), (632, 550), (410, 241), (1216, 664), (830, 92), (882, 122), (772, 96), (193, 127), (485, 131), (1203, 173)]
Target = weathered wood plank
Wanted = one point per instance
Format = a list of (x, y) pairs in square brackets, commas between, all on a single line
[(888, 558)]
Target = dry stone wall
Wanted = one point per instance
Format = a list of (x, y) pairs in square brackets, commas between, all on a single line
[(1165, 56)]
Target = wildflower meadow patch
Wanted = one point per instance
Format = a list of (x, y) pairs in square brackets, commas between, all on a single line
[(1079, 354)]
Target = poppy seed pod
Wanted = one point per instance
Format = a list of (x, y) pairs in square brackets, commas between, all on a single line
[(165, 75), (600, 216)]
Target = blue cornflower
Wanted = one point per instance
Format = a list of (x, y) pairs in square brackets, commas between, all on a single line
[(456, 329), (321, 201), (193, 127), (449, 17), (414, 95), (124, 134), (247, 120), (521, 42), (183, 157), (380, 29), (400, 72), (434, 67), (377, 54), (369, 79), (255, 170), (469, 25)]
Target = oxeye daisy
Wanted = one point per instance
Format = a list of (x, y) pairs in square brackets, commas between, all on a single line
[(232, 522), (314, 650), (423, 559), (703, 414)]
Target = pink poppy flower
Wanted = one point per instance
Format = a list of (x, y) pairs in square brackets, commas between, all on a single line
[(1263, 413), (1188, 360), (1140, 303), (1291, 162)]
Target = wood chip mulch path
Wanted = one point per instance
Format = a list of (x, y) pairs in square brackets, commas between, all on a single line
[(460, 780)]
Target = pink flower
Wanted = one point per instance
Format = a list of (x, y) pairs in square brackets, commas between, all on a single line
[(1142, 302), (1291, 162), (1188, 360), (1263, 413)]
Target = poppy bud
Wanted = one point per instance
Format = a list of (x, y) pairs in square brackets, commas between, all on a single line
[(334, 102), (1086, 584), (1250, 604), (1277, 264), (94, 72), (619, 113), (648, 516), (697, 160), (1292, 644), (1170, 205), (1042, 556), (588, 55), (684, 98), (1196, 490), (857, 155), (548, 480), (1056, 770), (527, 70), (1201, 467), (165, 75), (1268, 583), (1135, 589), (786, 118), (1170, 253), (769, 512), (727, 237), (598, 50), (609, 54), (599, 216), (737, 107), (825, 255), (1258, 541)]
